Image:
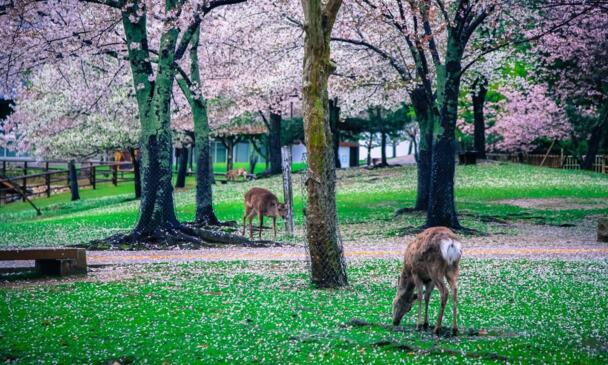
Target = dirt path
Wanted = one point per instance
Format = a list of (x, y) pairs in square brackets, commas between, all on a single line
[(531, 242)]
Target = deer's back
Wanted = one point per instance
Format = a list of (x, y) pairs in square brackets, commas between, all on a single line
[(259, 198), (423, 255)]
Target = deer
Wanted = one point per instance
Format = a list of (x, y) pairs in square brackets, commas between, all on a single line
[(262, 202), (434, 255), (234, 174)]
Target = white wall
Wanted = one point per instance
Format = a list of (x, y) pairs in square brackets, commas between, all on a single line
[(298, 153), (402, 150), (344, 155)]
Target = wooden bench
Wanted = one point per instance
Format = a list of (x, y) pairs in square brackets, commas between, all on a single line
[(51, 261)]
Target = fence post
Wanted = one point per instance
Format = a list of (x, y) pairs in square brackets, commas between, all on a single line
[(115, 174), (3, 168), (287, 188), (24, 188), (47, 179), (24, 167), (92, 176)]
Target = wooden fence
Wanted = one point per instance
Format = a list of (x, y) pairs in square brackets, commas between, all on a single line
[(22, 179), (555, 161)]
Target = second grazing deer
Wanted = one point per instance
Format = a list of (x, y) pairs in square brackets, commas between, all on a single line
[(262, 202), (433, 256)]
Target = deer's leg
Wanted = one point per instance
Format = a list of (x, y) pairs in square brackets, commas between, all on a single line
[(452, 279), (444, 298), (274, 227), (247, 211), (261, 218), (419, 286), (428, 290), (251, 225)]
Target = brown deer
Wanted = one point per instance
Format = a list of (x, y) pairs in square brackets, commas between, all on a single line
[(262, 202), (433, 256), (234, 174)]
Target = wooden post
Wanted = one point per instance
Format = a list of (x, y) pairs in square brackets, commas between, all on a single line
[(94, 176), (24, 167), (47, 179), (24, 188), (3, 168), (115, 175), (287, 188)]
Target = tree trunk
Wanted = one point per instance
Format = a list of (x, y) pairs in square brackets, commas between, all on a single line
[(424, 115), (442, 210), (394, 149), (136, 172), (383, 159), (274, 141), (334, 116), (73, 177), (328, 267), (598, 133), (157, 211), (478, 97), (182, 169), (205, 214), (229, 153), (369, 149)]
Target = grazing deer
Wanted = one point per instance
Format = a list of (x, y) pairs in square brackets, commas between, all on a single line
[(432, 256), (234, 174), (262, 202)]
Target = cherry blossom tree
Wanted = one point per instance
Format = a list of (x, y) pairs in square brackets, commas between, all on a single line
[(573, 59), (152, 37), (526, 115)]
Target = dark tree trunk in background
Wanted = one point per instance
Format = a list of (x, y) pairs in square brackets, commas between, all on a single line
[(394, 149), (136, 172), (478, 97), (383, 143), (424, 115), (274, 141), (598, 133), (334, 117), (442, 210), (73, 177), (228, 142), (182, 169), (327, 263), (253, 160), (369, 149)]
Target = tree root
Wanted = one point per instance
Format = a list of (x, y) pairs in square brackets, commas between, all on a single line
[(183, 236)]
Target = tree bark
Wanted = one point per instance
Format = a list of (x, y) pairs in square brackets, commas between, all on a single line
[(157, 211), (334, 116), (328, 268), (274, 141), (478, 97), (228, 142), (182, 168), (383, 160), (442, 210), (73, 177), (136, 172), (424, 115), (205, 215)]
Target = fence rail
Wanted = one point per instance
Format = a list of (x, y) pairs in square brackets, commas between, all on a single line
[(561, 161), (22, 179)]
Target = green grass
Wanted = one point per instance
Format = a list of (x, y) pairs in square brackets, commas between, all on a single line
[(518, 311), (259, 167), (366, 203)]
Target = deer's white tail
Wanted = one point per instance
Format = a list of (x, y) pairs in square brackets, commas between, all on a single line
[(451, 250)]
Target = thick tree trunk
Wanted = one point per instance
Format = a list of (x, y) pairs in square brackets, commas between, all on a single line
[(136, 172), (73, 177), (274, 141), (328, 267), (205, 214), (334, 116), (182, 169), (394, 149), (424, 115), (478, 97), (442, 210), (598, 134), (369, 150)]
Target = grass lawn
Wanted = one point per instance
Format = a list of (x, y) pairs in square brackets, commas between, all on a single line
[(366, 199), (510, 311)]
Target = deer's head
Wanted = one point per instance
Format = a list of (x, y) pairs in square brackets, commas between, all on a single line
[(404, 299)]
